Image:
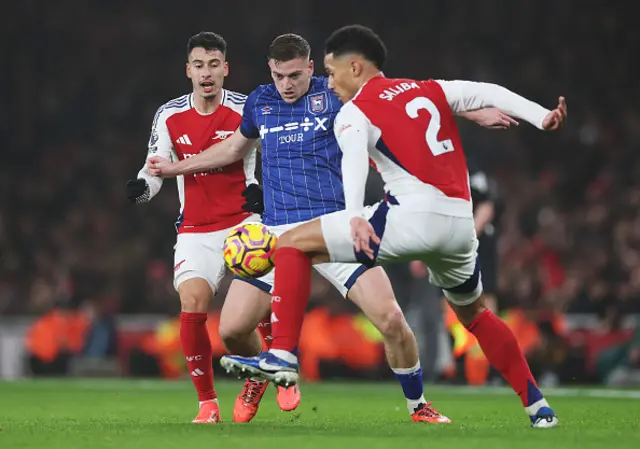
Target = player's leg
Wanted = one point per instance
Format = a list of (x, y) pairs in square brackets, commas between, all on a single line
[(244, 314), (296, 250), (197, 273), (318, 241), (373, 294), (488, 259), (459, 275), (501, 348), (330, 238), (245, 307)]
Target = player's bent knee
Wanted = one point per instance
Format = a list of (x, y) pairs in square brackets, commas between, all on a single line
[(232, 332), (244, 307), (237, 329), (295, 238), (467, 314), (193, 303), (287, 240), (467, 301), (195, 295), (307, 238), (393, 324)]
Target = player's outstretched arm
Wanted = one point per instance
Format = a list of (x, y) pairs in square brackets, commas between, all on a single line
[(224, 153), (492, 118), (469, 96)]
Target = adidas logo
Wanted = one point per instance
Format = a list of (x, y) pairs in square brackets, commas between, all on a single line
[(197, 372), (184, 140)]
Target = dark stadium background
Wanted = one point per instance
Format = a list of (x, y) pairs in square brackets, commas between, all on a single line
[(80, 83)]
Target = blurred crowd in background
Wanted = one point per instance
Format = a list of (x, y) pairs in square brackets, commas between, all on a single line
[(86, 78)]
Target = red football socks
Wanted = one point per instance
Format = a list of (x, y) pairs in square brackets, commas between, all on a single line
[(265, 331), (501, 348), (197, 350), (290, 297)]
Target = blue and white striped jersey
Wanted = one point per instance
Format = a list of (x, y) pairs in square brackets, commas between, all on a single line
[(301, 160)]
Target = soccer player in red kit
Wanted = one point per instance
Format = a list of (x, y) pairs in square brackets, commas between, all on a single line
[(408, 128), (211, 202)]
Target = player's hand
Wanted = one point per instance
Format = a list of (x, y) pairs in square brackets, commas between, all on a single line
[(254, 201), (363, 236), (161, 167), (492, 118), (138, 191), (556, 118)]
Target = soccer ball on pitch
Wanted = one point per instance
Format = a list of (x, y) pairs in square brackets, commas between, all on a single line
[(248, 250)]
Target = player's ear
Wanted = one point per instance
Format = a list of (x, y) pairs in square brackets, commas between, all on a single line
[(226, 68), (188, 70), (311, 66), (356, 68)]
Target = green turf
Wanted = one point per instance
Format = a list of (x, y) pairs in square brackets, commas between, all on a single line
[(128, 414)]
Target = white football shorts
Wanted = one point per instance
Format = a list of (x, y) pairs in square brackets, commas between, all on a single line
[(342, 275), (447, 244), (199, 255)]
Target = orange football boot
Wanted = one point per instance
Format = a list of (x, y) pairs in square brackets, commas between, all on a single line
[(426, 413), (288, 397), (248, 401), (209, 413)]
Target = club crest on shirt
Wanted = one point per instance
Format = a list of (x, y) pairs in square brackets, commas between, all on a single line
[(317, 103)]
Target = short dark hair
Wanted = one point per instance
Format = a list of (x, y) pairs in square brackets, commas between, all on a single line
[(289, 46), (357, 39), (207, 40)]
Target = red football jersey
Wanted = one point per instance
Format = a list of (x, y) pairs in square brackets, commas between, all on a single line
[(213, 200), (415, 129)]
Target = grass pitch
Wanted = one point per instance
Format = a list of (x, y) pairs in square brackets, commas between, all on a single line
[(54, 414)]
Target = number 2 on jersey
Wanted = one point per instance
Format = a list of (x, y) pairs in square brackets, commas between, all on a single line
[(436, 146)]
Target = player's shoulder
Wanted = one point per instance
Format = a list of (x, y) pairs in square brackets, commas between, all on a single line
[(382, 88), (349, 115), (174, 106), (434, 85), (386, 90), (348, 109), (234, 100), (431, 82), (180, 103), (233, 97), (319, 83), (264, 97), (264, 93)]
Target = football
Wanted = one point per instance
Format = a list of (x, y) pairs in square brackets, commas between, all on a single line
[(248, 250)]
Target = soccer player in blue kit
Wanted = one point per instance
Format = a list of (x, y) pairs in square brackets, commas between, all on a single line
[(301, 178)]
